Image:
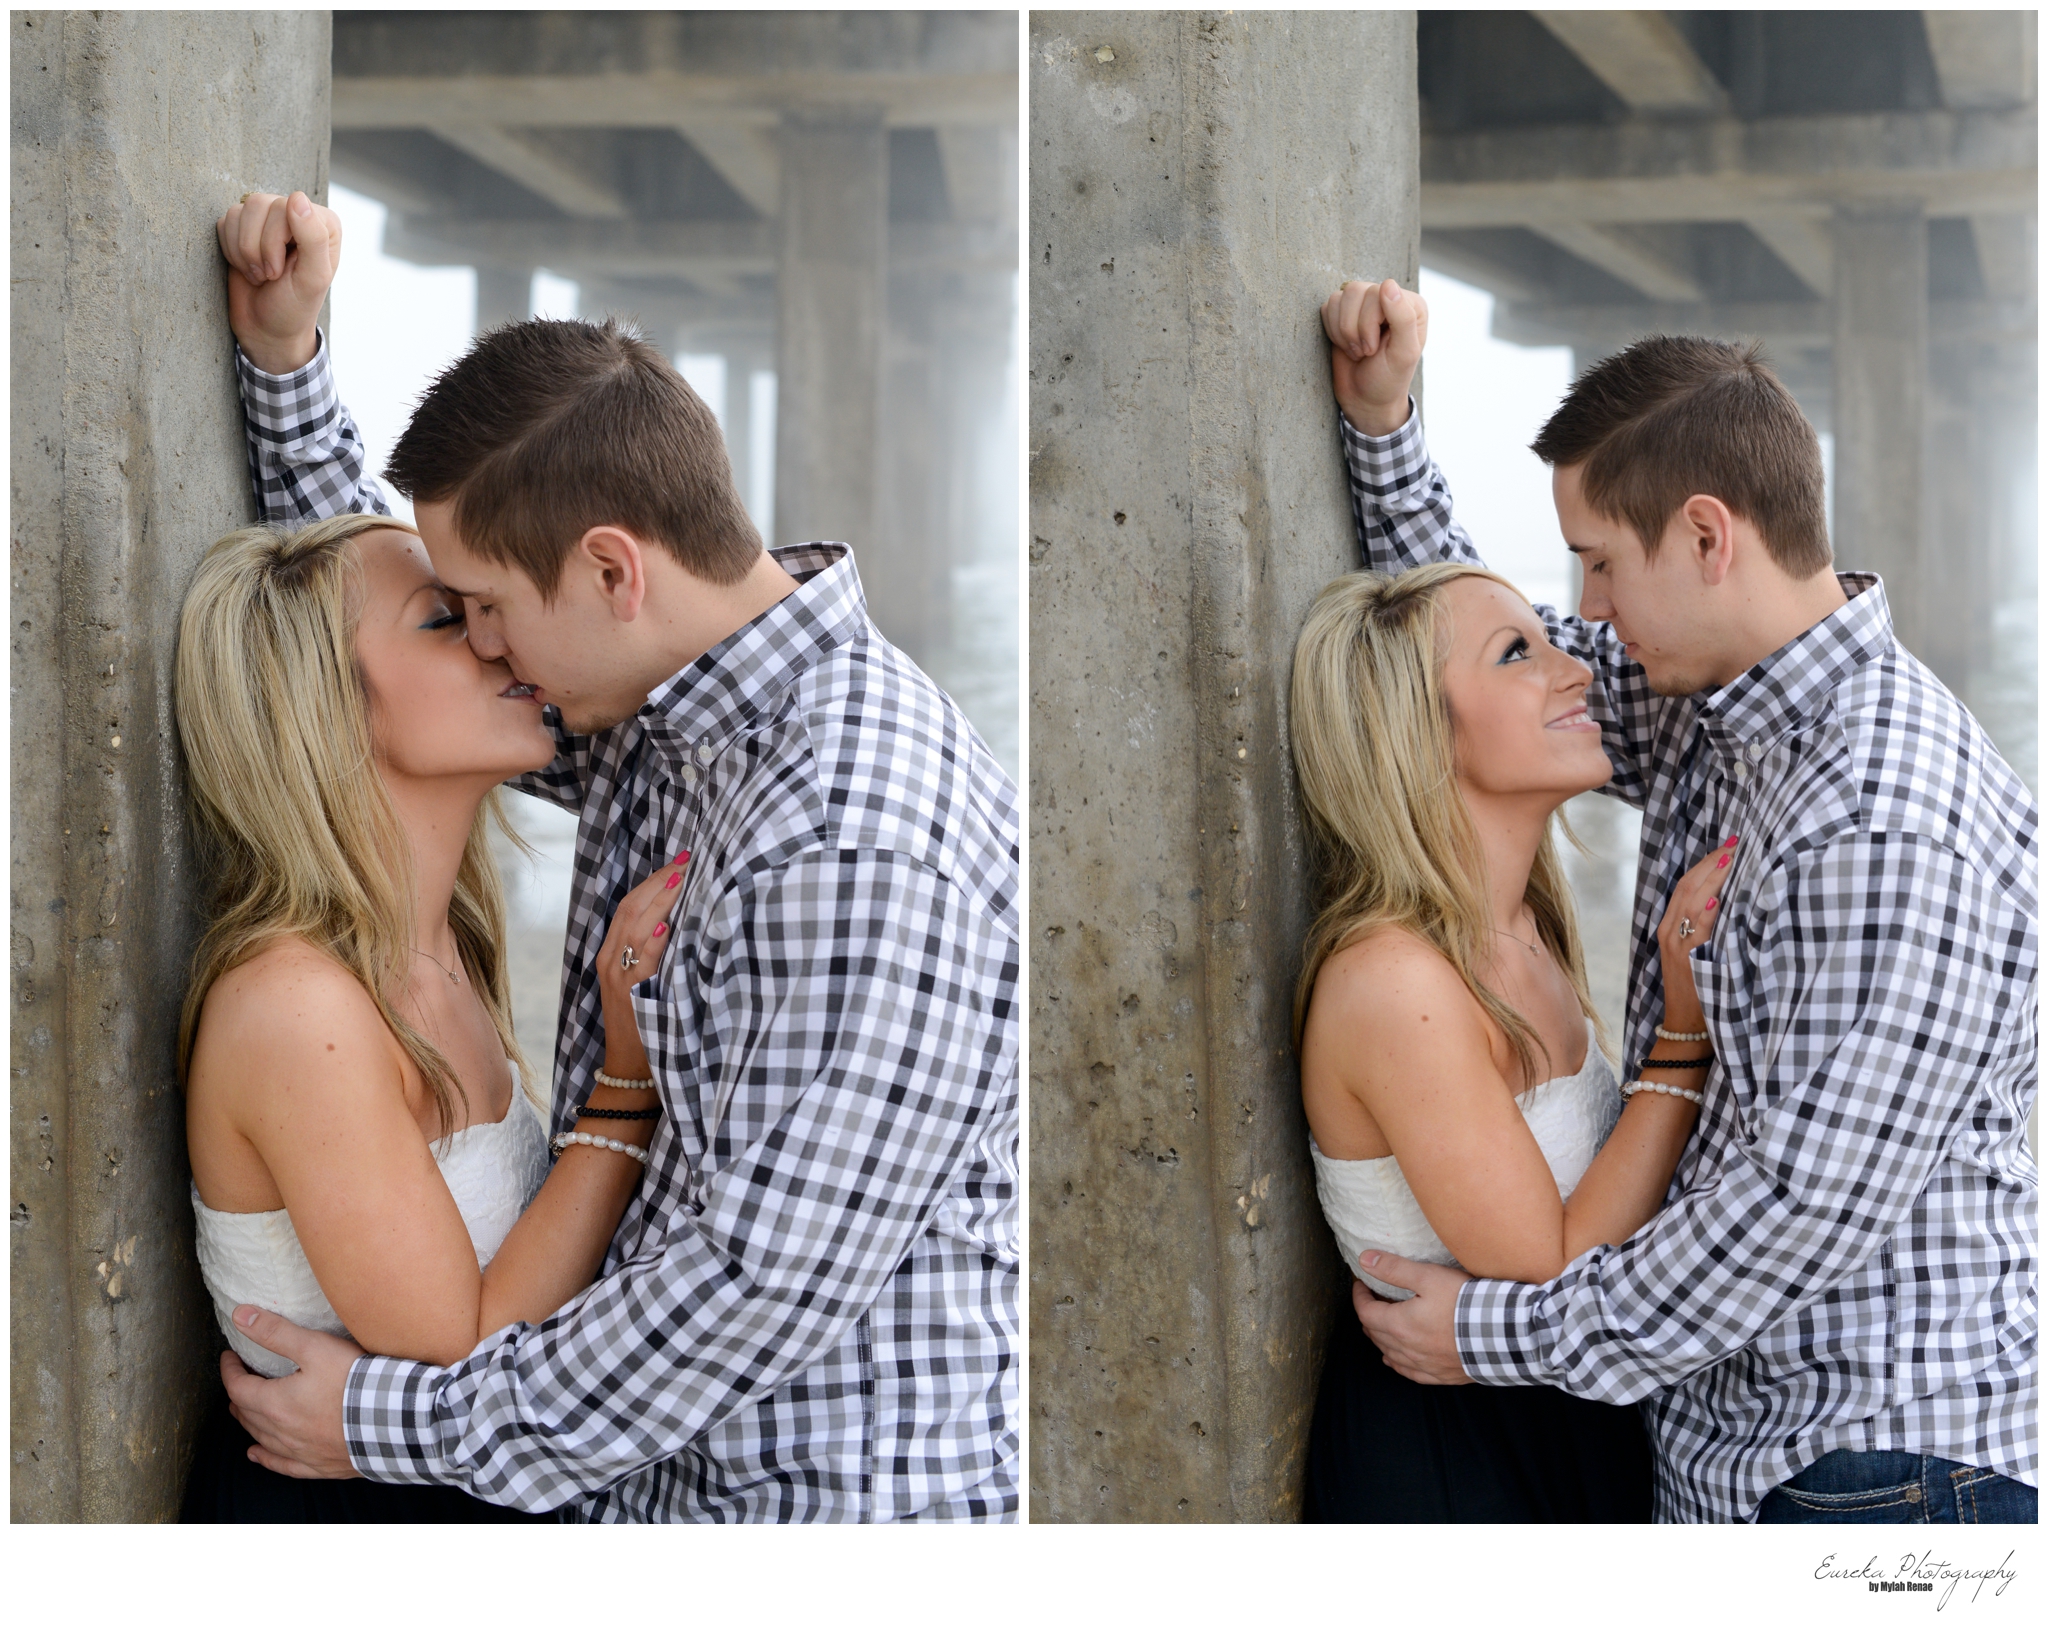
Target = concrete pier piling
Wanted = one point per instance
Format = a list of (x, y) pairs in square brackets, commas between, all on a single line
[(1199, 183), (131, 133)]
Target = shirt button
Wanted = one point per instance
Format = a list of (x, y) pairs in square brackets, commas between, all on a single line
[(1741, 770), (706, 751), (689, 773)]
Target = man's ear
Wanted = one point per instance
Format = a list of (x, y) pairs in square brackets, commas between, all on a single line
[(616, 566), (1709, 528)]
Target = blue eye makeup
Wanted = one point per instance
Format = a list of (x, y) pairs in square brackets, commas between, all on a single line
[(1518, 647)]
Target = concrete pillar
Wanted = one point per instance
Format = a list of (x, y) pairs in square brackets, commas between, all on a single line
[(739, 420), (1955, 566), (899, 572), (830, 294), (1199, 182), (502, 297), (1879, 406), (131, 131)]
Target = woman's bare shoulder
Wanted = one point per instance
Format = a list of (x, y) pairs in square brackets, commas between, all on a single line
[(1388, 970), (284, 1004)]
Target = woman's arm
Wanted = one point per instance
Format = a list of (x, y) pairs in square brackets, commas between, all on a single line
[(1393, 1025), (315, 1083)]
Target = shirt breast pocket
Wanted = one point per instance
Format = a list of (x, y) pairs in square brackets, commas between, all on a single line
[(1718, 986)]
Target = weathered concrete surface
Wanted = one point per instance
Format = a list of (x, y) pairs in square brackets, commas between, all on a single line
[(1199, 183), (131, 131)]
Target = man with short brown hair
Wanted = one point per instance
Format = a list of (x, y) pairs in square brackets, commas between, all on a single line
[(809, 1312), (1834, 1317)]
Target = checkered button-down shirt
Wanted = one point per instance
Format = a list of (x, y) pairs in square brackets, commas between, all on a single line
[(810, 1308), (1846, 1259)]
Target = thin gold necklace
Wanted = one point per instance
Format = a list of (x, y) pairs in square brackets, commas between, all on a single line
[(437, 962), (1533, 950)]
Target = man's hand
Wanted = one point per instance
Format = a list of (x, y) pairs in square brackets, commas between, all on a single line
[(1376, 332), (296, 1421), (1419, 1337), (281, 254)]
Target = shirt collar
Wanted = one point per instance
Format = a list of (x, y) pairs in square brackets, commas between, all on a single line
[(716, 698), (1790, 685)]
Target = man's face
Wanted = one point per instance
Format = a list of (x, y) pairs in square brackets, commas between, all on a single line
[(567, 649), (1653, 604)]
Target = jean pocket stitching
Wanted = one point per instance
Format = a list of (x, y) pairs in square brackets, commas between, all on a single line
[(1859, 1500)]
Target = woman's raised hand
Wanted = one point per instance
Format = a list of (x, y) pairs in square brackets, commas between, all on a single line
[(1376, 333), (281, 255), (1688, 923), (632, 951)]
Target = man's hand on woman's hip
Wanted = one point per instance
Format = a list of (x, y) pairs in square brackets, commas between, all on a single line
[(1419, 1337), (296, 1420), (281, 255)]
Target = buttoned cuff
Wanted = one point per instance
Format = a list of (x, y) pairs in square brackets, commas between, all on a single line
[(1499, 1333), (388, 1412)]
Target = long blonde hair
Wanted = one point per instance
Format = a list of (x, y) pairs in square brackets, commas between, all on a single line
[(1375, 759), (297, 831)]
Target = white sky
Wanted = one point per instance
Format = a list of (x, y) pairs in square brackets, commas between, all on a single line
[(1483, 402)]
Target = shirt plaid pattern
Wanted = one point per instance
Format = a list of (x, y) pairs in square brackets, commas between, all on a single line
[(810, 1309), (1846, 1258)]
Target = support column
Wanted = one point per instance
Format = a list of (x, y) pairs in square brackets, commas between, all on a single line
[(739, 421), (132, 132), (1880, 395), (1955, 566), (898, 574), (830, 293), (502, 297), (1199, 183)]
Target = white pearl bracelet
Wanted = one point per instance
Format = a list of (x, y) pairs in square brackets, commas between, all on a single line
[(604, 1080), (564, 1139), (1682, 1035), (1686, 1093)]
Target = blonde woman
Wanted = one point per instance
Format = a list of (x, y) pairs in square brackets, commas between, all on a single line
[(364, 1157), (1460, 1106)]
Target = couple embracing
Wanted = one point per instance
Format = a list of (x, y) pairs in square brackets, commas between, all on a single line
[(755, 1257), (1780, 1266)]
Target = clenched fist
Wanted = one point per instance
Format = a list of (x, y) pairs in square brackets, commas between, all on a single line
[(281, 255), (1376, 333)]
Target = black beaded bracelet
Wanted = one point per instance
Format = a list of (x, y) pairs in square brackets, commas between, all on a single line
[(618, 1114), (1675, 1064)]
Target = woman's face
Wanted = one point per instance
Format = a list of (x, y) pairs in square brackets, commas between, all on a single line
[(1518, 704), (437, 712)]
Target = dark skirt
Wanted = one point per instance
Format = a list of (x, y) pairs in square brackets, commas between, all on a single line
[(227, 1486), (1386, 1449)]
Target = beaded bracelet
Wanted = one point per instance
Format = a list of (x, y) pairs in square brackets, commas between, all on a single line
[(1681, 1035), (564, 1139), (618, 1114), (1686, 1093), (622, 1083), (1674, 1064)]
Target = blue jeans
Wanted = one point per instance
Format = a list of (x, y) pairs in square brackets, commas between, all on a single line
[(1884, 1485)]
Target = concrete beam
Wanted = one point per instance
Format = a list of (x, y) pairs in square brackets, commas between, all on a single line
[(1802, 323), (1641, 57), (1621, 256), (1984, 59), (1186, 505), (622, 100), (1803, 243), (1728, 170), (131, 132), (571, 187), (745, 155), (1482, 271), (691, 249)]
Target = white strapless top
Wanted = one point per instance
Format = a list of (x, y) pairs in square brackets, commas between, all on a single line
[(493, 1169), (1371, 1208)]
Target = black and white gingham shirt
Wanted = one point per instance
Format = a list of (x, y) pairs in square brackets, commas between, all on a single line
[(1846, 1259), (809, 1311)]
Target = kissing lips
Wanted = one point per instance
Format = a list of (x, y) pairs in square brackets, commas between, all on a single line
[(521, 693)]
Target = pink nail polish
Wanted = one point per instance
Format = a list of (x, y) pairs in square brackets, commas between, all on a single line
[(1730, 844), (685, 855), (660, 929), (1721, 865), (673, 881), (1713, 902)]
